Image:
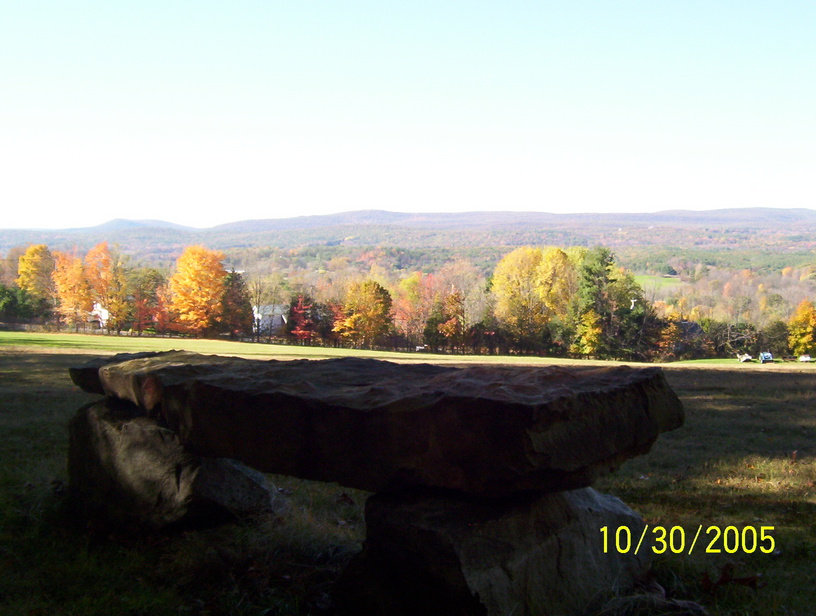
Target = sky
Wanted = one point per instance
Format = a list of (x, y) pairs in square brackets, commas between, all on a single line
[(202, 113)]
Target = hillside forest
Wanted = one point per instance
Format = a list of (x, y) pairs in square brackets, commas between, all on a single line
[(552, 301)]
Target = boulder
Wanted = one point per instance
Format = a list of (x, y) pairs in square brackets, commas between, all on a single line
[(484, 430), (127, 470), (431, 556), (86, 376)]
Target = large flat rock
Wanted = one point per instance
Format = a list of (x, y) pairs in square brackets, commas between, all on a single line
[(483, 430)]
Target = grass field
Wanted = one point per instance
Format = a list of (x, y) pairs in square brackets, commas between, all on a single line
[(744, 458), (652, 283)]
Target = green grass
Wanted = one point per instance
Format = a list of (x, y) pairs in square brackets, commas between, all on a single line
[(746, 456), (101, 345), (732, 463), (650, 283)]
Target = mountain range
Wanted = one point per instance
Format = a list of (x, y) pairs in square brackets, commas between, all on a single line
[(735, 229)]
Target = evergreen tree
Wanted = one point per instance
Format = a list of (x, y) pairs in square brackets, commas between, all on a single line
[(236, 309)]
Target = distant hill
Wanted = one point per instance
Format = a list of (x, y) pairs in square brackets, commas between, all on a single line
[(745, 218), (122, 224), (778, 231)]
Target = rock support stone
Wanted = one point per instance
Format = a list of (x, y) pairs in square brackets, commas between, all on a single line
[(485, 431), (128, 471), (526, 557)]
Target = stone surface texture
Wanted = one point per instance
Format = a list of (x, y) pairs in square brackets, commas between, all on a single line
[(540, 557), (487, 431), (128, 471)]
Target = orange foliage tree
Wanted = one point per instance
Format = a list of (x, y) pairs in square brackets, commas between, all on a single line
[(73, 292), (162, 317), (197, 290), (105, 273)]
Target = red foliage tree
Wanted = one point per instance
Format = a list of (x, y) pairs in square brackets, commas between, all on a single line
[(303, 325)]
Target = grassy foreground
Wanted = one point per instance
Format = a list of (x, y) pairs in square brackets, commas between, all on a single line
[(745, 458)]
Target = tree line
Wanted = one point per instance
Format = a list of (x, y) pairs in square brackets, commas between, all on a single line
[(546, 301), (200, 298)]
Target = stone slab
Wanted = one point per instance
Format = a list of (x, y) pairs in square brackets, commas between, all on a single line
[(483, 430)]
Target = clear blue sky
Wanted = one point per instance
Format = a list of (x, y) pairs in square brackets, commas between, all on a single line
[(206, 112)]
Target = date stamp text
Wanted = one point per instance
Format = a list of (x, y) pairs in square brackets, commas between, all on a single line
[(677, 540)]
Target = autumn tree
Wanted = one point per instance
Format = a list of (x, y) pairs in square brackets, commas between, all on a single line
[(452, 325), (668, 342), (519, 306), (143, 288), (300, 320), (802, 329), (35, 276), (197, 290), (106, 275), (589, 334), (556, 281), (366, 316), (9, 266), (73, 292), (557, 285), (164, 321), (462, 277), (414, 299)]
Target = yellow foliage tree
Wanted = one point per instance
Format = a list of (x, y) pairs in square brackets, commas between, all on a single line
[(589, 335), (35, 270), (802, 329), (519, 304), (366, 315), (557, 281), (197, 289), (73, 292)]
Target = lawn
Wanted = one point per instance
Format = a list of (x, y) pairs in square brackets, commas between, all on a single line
[(652, 283), (744, 458)]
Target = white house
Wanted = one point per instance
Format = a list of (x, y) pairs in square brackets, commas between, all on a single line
[(100, 314), (270, 319)]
